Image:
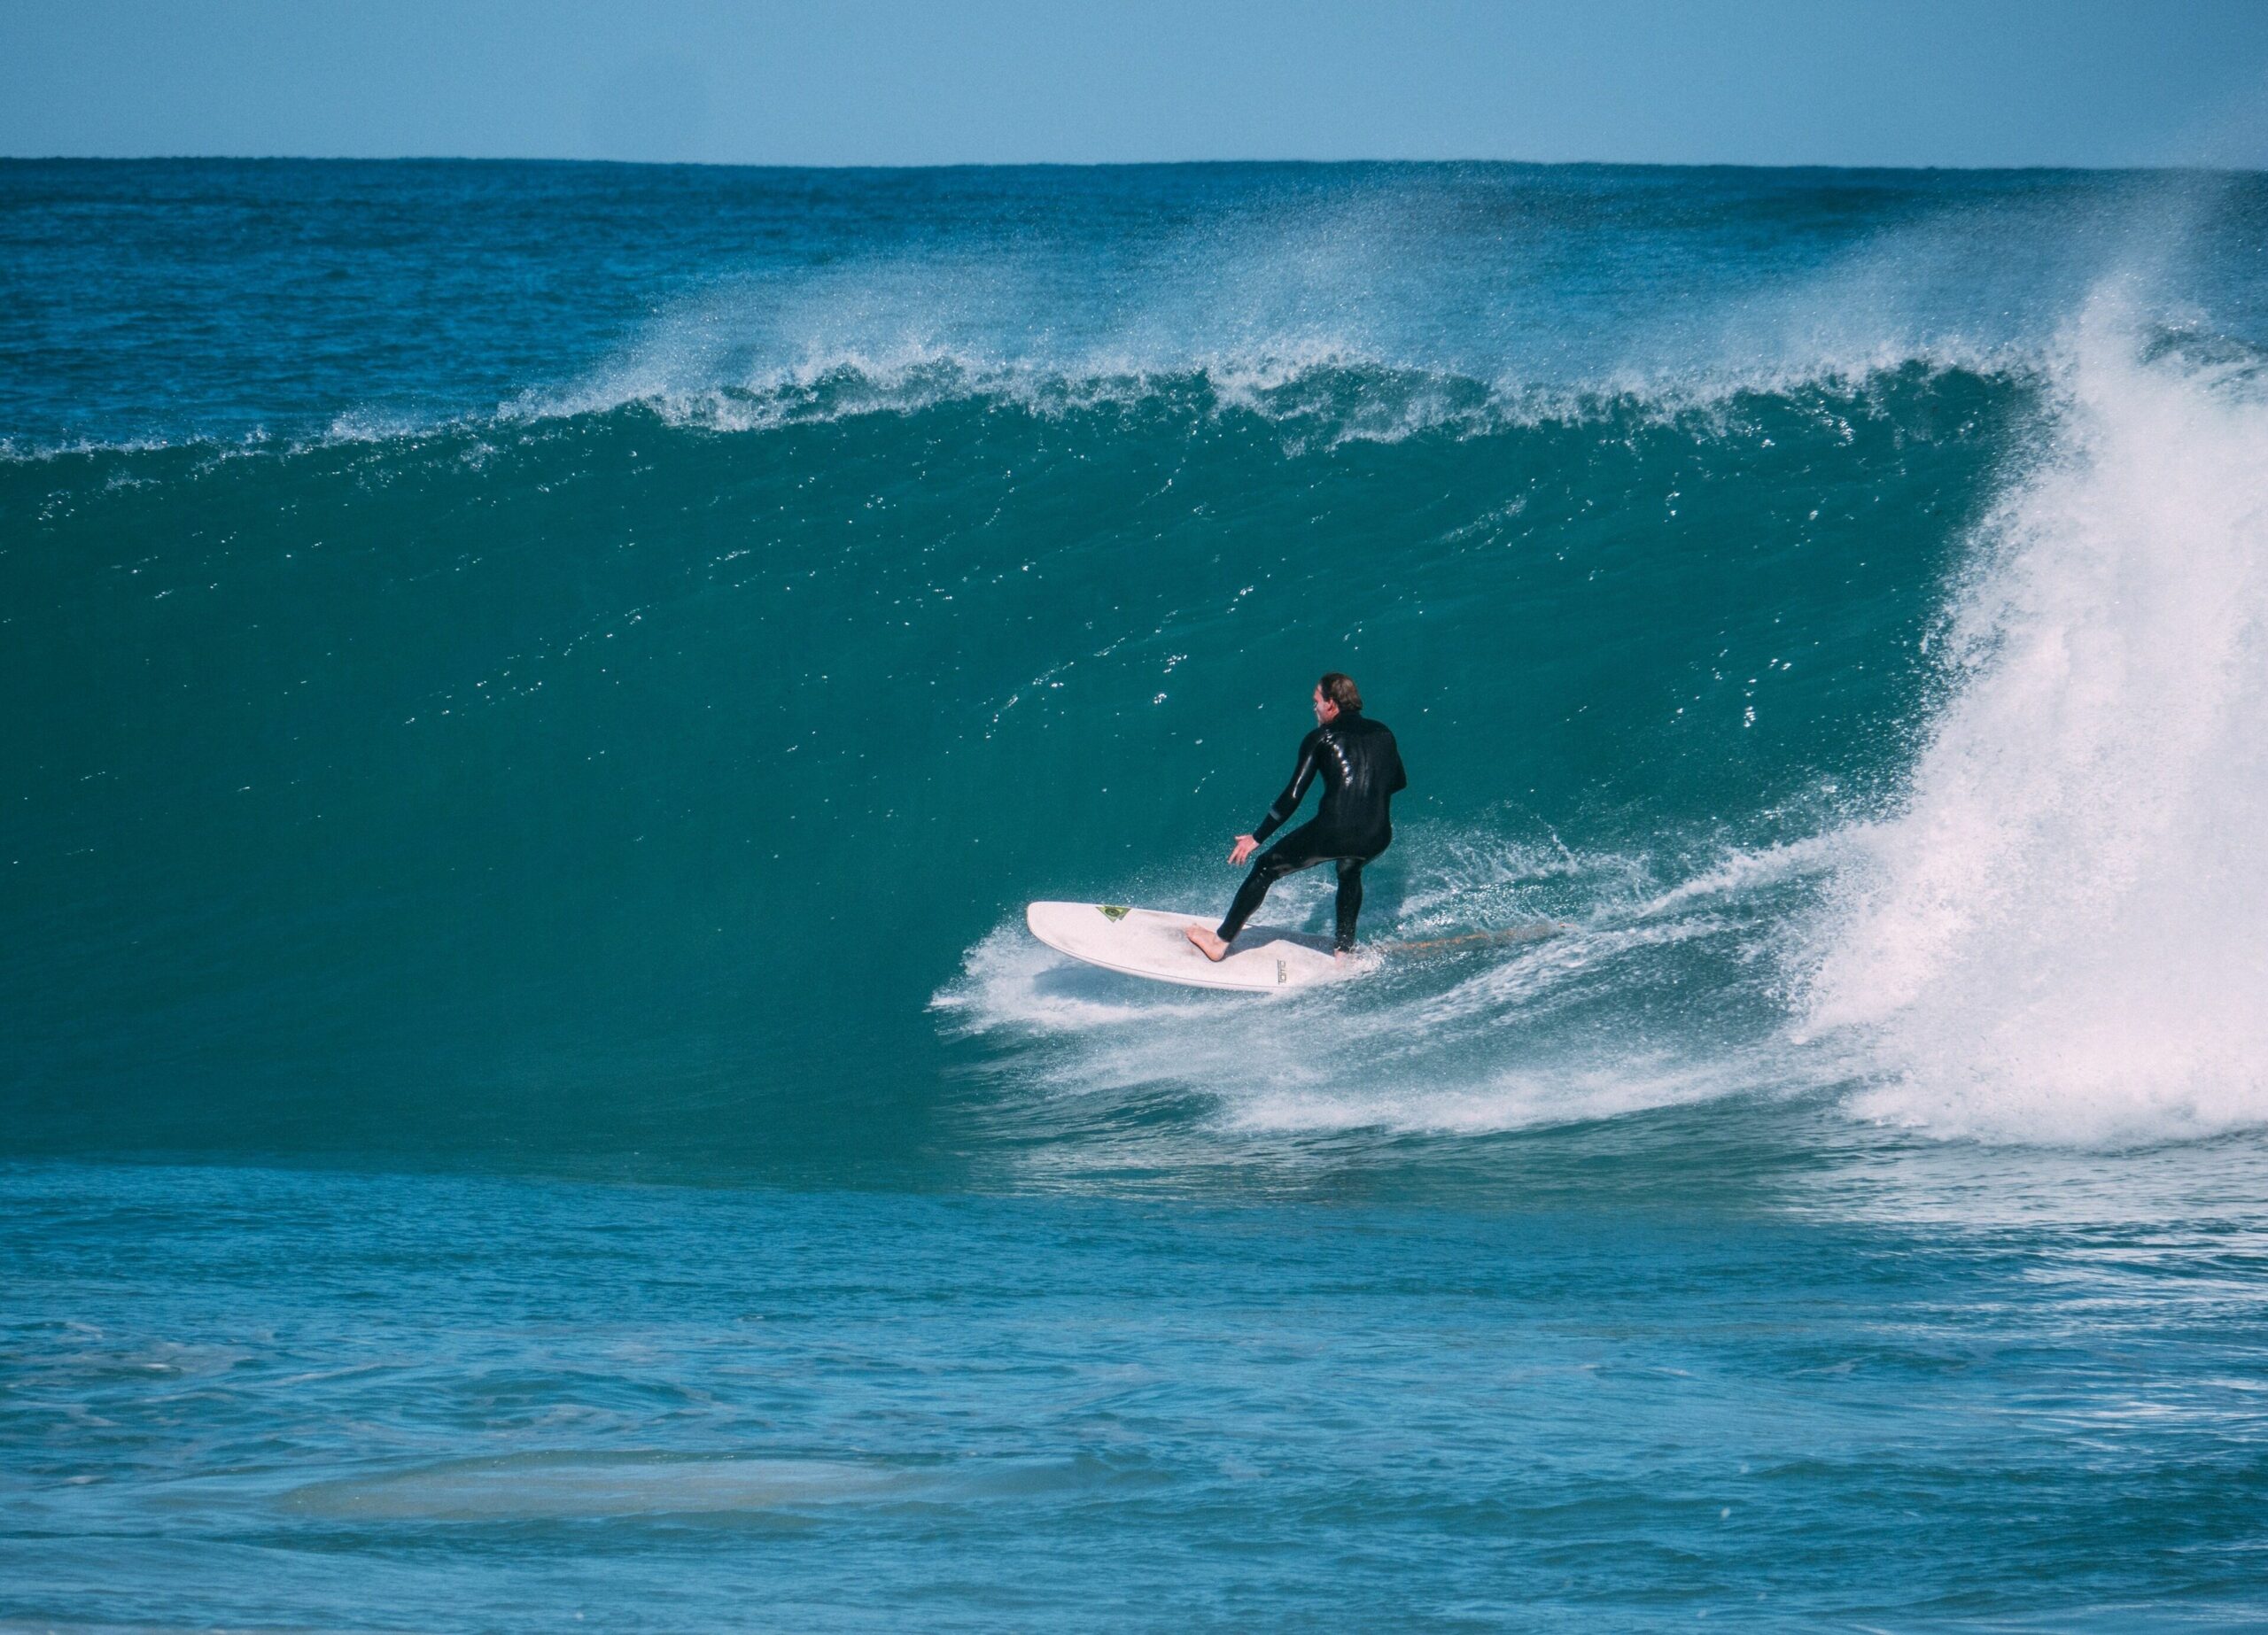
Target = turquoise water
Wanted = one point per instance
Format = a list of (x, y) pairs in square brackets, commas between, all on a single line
[(541, 691)]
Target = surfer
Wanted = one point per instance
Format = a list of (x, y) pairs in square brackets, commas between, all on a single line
[(1360, 768)]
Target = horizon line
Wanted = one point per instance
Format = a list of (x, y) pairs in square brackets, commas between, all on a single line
[(1170, 164)]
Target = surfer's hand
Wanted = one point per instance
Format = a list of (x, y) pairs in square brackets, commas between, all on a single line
[(1245, 846)]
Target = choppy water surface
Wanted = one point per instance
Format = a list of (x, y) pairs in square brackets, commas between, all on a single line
[(541, 691)]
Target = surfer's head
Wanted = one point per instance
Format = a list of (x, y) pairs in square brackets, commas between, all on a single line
[(1336, 694)]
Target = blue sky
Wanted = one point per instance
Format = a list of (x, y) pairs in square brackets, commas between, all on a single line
[(886, 82)]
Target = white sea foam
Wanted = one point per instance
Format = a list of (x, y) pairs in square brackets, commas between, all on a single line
[(1442, 1035), (2062, 936)]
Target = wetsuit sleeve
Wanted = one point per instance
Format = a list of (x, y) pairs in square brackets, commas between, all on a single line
[(1294, 792), (1401, 779)]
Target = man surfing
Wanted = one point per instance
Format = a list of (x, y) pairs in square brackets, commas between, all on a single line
[(1360, 768)]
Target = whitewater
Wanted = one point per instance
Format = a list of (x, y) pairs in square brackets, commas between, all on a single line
[(541, 691)]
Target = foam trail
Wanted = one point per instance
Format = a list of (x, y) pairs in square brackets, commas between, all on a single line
[(2064, 935), (1462, 1041)]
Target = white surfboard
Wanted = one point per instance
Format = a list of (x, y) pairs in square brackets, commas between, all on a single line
[(1147, 942)]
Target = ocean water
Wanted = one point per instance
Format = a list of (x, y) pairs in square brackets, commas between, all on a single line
[(538, 693)]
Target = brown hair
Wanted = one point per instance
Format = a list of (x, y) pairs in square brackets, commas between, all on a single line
[(1340, 688)]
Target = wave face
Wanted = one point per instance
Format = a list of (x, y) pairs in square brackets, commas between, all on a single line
[(524, 666)]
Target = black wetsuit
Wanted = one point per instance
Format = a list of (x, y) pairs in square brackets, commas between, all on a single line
[(1360, 768)]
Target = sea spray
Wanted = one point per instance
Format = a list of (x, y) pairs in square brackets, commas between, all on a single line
[(2063, 934)]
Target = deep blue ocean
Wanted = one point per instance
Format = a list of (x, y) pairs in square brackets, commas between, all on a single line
[(537, 695)]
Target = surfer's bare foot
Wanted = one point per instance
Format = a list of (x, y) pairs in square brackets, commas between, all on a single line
[(1207, 944)]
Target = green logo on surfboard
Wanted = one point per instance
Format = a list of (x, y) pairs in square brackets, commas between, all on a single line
[(1112, 910)]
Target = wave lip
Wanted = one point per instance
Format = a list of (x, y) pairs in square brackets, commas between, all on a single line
[(1339, 394), (1319, 391), (1008, 326)]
